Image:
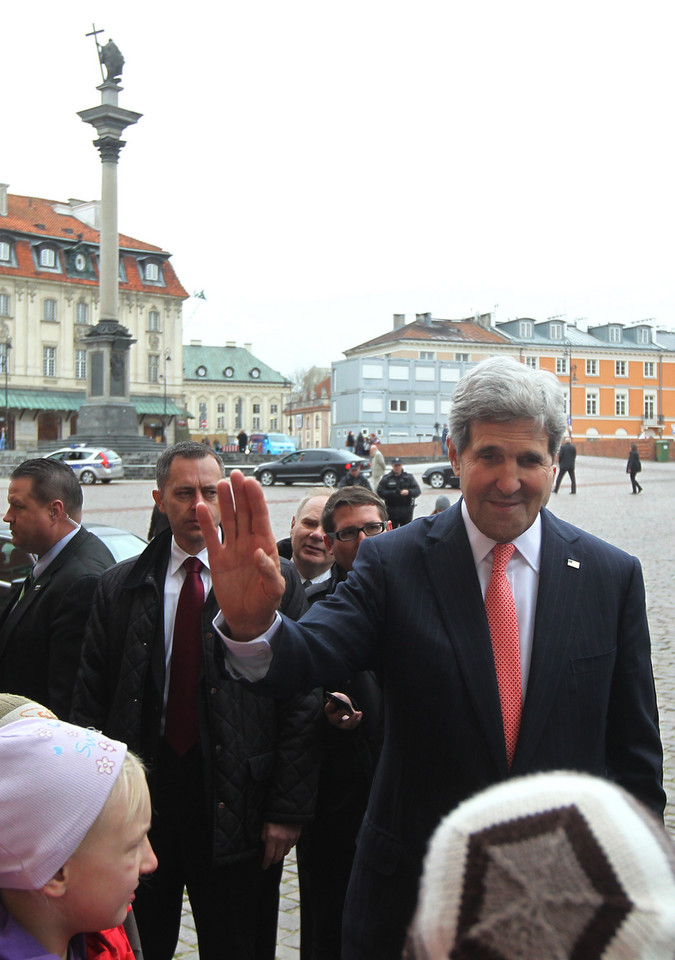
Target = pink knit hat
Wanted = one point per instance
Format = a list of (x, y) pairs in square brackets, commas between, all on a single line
[(557, 865), (54, 780)]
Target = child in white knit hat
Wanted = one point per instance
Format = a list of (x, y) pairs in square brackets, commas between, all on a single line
[(555, 866), (74, 818)]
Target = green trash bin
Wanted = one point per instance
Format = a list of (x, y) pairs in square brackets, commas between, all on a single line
[(662, 451)]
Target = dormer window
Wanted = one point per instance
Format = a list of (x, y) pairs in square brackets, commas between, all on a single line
[(643, 335), (228, 372), (47, 258), (525, 328), (152, 272), (201, 371), (255, 373), (5, 251), (615, 334), (556, 331)]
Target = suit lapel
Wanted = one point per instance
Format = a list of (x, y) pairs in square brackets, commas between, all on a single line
[(557, 599), (451, 570)]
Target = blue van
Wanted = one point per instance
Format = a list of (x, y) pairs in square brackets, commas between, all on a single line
[(271, 443)]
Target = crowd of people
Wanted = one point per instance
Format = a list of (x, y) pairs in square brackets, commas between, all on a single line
[(400, 705)]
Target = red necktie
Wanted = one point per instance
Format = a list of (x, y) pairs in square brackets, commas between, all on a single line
[(503, 621), (181, 729)]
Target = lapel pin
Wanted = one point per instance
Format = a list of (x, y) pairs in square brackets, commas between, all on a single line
[(573, 563)]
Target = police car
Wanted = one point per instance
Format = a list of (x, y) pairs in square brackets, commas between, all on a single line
[(90, 464)]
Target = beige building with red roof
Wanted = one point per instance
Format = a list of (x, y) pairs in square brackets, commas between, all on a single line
[(49, 299)]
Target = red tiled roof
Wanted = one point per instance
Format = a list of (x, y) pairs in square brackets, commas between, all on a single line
[(452, 331), (36, 217)]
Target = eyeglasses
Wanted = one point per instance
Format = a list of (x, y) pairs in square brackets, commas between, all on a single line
[(351, 533)]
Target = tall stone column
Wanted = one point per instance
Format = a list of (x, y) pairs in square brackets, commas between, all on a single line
[(108, 411)]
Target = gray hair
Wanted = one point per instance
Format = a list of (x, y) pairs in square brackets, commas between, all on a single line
[(501, 389), (188, 450)]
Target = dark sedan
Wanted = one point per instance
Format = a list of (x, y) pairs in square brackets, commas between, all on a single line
[(320, 465), (440, 475)]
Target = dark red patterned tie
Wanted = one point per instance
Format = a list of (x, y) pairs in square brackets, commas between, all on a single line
[(501, 614), (181, 729)]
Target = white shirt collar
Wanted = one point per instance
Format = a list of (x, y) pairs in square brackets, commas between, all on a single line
[(528, 544), (178, 557)]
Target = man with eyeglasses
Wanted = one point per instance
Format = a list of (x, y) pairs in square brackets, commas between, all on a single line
[(350, 748)]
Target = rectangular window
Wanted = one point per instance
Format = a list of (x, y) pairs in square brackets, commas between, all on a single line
[(620, 368), (615, 334), (49, 361), (591, 368), (425, 373), (425, 406), (556, 331), (81, 364), (561, 366), (81, 312), (317, 421), (621, 403), (462, 357), (274, 423), (371, 371), (152, 272), (449, 374), (49, 311), (371, 405), (220, 423), (256, 422), (650, 406), (221, 408), (643, 335), (397, 372), (202, 416), (4, 305), (398, 406), (592, 403), (650, 369), (153, 320), (532, 362), (5, 251), (427, 355), (153, 368), (47, 257), (256, 408), (524, 328)]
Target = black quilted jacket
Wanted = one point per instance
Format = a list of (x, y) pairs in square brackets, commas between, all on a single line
[(260, 754)]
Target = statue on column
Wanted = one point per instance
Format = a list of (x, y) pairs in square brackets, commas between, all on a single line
[(111, 58)]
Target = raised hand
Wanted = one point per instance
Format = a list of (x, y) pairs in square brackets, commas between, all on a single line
[(245, 570)]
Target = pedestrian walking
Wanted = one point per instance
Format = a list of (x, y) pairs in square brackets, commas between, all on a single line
[(566, 460), (633, 467)]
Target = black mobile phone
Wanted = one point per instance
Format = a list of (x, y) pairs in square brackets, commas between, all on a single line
[(339, 702)]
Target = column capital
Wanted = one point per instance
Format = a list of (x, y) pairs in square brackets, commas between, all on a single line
[(109, 148)]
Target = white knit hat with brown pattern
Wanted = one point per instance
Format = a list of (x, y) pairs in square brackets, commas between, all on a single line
[(555, 866)]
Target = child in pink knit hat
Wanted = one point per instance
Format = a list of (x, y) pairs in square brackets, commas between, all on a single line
[(74, 818)]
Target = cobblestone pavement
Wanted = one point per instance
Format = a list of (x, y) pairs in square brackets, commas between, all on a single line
[(643, 525)]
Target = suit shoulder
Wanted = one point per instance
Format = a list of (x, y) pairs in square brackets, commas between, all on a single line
[(591, 543)]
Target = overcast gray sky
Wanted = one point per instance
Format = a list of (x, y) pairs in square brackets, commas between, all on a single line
[(316, 167)]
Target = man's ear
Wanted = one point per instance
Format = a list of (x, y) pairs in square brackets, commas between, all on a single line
[(159, 499), (328, 543), (292, 524), (58, 885), (453, 457), (56, 510)]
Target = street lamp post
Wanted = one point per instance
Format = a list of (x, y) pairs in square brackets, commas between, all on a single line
[(5, 360), (167, 358), (571, 371)]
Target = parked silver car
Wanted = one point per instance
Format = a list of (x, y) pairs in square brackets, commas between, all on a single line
[(90, 463)]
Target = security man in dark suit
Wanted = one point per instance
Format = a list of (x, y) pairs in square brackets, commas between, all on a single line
[(398, 489), (42, 627)]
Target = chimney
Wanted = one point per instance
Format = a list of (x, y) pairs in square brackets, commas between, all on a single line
[(399, 320), (424, 318), (3, 199), (230, 343), (249, 347), (195, 343)]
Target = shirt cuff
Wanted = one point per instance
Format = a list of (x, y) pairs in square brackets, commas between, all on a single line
[(250, 660)]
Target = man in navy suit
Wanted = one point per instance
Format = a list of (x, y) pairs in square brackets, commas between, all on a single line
[(414, 609)]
